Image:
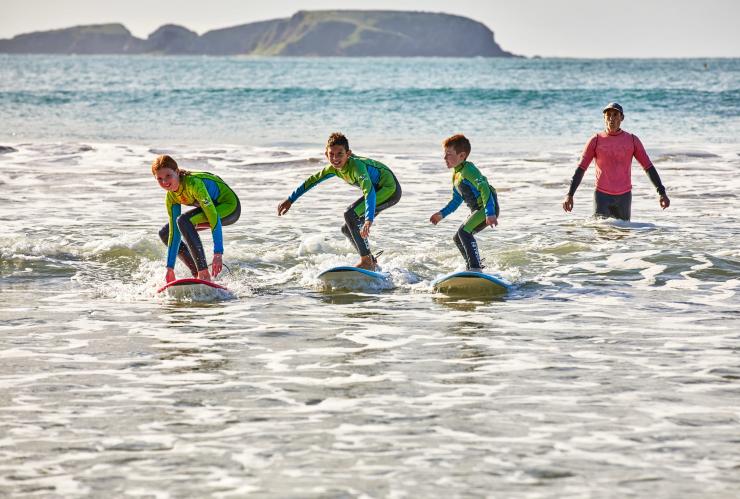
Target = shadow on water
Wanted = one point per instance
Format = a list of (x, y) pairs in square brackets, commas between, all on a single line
[(345, 298), (467, 303), (616, 230)]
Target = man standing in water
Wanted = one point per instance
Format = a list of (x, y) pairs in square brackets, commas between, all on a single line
[(613, 150)]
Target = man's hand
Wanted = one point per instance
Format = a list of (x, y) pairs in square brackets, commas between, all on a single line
[(664, 202), (170, 275), (568, 203), (436, 218), (492, 221)]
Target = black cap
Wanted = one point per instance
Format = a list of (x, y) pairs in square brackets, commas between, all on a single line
[(613, 105)]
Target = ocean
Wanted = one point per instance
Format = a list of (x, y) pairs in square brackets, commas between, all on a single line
[(610, 370)]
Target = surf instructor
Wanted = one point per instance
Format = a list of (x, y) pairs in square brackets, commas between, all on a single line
[(613, 150)]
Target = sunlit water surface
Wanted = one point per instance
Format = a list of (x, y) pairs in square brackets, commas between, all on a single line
[(610, 370)]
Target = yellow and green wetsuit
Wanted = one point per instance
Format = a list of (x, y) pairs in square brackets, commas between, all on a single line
[(380, 190), (215, 204), (471, 186)]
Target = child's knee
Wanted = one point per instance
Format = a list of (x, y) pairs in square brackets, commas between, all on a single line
[(183, 222), (164, 233), (351, 217)]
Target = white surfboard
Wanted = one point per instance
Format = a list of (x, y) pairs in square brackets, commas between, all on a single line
[(470, 283), (346, 277), (191, 287)]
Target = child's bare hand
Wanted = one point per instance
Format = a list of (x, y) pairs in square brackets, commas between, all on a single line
[(217, 263), (284, 207), (365, 231)]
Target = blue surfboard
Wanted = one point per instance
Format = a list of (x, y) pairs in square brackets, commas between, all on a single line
[(470, 283), (353, 277)]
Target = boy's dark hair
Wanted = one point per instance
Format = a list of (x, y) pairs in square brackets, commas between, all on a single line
[(338, 139), (458, 142)]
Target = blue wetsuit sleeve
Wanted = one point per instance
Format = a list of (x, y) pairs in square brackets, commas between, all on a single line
[(310, 182), (370, 204), (453, 204), (173, 245), (490, 206), (205, 191), (361, 177), (218, 238), (300, 191)]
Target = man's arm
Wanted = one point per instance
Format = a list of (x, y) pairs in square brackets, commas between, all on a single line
[(574, 183), (642, 157), (664, 201), (589, 153)]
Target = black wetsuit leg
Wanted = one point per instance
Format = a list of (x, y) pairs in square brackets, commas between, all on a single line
[(353, 223), (468, 246), (460, 246), (191, 237), (182, 252), (348, 234), (608, 206)]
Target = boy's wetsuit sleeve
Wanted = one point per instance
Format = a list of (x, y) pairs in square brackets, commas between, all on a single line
[(173, 241), (201, 195), (311, 182), (453, 204), (360, 176), (476, 178)]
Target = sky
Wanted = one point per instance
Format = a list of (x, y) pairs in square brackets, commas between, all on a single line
[(548, 28)]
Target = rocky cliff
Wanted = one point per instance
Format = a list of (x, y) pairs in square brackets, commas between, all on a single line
[(350, 33)]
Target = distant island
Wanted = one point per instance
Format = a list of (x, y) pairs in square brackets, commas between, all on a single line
[(344, 33)]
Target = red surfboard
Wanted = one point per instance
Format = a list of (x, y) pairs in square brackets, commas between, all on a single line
[(182, 284)]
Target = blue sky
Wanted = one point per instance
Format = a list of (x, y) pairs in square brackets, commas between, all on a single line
[(558, 28)]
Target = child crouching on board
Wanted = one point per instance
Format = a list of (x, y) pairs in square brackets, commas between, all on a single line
[(215, 204), (380, 190)]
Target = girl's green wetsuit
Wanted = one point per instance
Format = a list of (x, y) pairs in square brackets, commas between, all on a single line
[(216, 204)]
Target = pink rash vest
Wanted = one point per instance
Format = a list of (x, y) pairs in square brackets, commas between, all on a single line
[(613, 154)]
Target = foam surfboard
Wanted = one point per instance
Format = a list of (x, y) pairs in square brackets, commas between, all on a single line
[(470, 283), (191, 286), (352, 277)]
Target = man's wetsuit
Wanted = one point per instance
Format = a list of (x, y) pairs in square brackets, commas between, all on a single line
[(613, 153), (216, 204), (380, 190), (469, 185)]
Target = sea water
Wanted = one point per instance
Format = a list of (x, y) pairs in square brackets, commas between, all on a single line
[(611, 369)]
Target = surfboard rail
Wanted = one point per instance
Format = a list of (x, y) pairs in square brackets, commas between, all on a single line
[(467, 282), (190, 281), (352, 277)]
